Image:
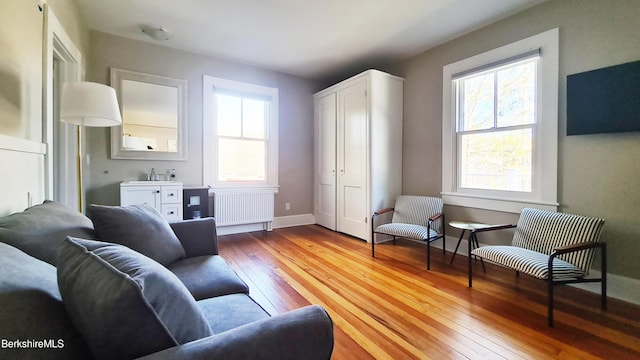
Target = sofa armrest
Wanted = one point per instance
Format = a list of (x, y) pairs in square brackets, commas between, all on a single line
[(198, 236), (386, 218), (436, 217), (577, 247), (305, 333), (380, 212)]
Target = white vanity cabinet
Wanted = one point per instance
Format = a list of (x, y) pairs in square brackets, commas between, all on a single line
[(358, 151), (165, 196)]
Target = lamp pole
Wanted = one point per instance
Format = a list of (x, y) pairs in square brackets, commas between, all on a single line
[(88, 104)]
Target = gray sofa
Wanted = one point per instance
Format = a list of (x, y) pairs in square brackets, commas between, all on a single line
[(66, 295)]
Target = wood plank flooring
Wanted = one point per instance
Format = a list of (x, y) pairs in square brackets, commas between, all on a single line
[(391, 307)]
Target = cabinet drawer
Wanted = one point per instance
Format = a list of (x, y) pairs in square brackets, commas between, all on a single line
[(136, 195), (164, 196), (172, 212), (171, 194)]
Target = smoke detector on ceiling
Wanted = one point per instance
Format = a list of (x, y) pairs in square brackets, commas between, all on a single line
[(156, 33)]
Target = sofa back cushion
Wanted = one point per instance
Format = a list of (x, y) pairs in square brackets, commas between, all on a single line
[(125, 304), (138, 227), (40, 230), (31, 308), (543, 231), (413, 209)]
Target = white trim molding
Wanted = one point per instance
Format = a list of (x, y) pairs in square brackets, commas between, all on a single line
[(61, 172), (500, 204), (293, 220), (545, 134), (278, 223), (12, 143), (210, 132)]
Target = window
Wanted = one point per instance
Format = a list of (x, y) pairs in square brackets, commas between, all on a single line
[(500, 127), (242, 140), (240, 133), (496, 118)]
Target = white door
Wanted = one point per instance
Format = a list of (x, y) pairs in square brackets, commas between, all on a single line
[(352, 160), (325, 166)]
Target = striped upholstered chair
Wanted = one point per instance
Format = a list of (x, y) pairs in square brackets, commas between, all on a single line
[(417, 218), (556, 247)]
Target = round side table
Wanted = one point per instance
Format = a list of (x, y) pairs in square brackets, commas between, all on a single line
[(473, 239)]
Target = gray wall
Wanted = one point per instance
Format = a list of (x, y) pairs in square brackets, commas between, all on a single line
[(22, 147), (295, 127), (598, 174)]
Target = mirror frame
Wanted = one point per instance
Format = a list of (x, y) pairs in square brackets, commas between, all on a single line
[(117, 151)]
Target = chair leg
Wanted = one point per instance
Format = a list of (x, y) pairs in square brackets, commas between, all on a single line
[(604, 292), (550, 305), (428, 255), (373, 245), (550, 291), (373, 237), (444, 235), (469, 262), (444, 244), (603, 266)]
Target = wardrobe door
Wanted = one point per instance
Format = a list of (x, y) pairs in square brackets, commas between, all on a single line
[(352, 159), (325, 163)]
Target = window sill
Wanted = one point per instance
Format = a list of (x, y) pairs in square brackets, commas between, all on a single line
[(492, 203)]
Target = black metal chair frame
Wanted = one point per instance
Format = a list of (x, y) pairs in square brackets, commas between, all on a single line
[(428, 241), (556, 252)]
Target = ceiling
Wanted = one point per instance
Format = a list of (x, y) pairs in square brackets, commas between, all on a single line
[(308, 38)]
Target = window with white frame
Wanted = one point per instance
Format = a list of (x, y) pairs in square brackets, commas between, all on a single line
[(495, 121), (500, 127), (240, 139)]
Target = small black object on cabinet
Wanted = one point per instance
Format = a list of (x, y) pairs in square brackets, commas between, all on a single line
[(196, 203)]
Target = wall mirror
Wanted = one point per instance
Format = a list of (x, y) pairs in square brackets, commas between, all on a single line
[(154, 117)]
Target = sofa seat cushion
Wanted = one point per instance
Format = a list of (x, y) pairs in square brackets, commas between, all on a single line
[(40, 230), (244, 309), (208, 276), (31, 308), (123, 303), (529, 262), (138, 227), (411, 231)]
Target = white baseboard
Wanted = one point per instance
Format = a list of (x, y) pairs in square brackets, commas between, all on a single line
[(293, 220), (618, 287), (279, 222), (237, 229)]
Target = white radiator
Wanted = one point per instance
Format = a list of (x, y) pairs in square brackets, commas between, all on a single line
[(238, 207)]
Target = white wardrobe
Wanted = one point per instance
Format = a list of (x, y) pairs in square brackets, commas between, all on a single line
[(358, 151)]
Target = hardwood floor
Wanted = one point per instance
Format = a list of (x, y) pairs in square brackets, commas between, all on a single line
[(391, 307)]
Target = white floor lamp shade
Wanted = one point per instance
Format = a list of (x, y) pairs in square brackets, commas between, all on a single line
[(88, 104)]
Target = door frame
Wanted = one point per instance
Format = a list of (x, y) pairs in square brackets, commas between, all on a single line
[(60, 171)]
